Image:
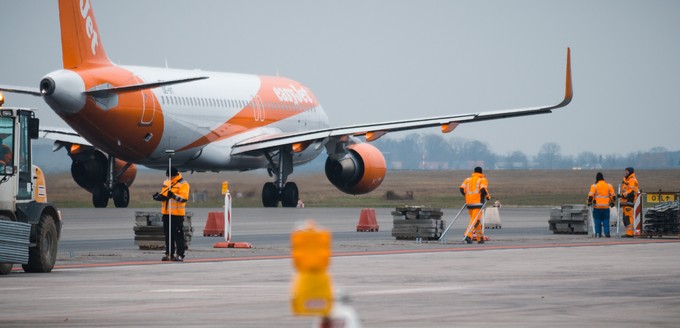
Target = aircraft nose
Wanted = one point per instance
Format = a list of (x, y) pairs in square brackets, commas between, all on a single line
[(63, 91)]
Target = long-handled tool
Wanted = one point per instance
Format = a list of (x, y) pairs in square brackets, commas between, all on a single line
[(169, 204), (618, 211), (441, 238), (475, 221)]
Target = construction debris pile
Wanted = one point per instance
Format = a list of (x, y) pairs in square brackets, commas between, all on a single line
[(569, 219), (149, 230), (663, 219), (417, 222)]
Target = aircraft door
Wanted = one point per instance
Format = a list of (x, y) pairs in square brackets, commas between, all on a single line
[(258, 109), (148, 108), (142, 101)]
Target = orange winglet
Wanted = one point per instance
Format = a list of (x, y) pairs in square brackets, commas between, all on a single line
[(569, 92)]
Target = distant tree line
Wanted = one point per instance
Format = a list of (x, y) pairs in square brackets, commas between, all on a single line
[(434, 152)]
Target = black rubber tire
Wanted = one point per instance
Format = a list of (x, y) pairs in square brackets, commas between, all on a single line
[(290, 195), (5, 268), (270, 195), (121, 195), (41, 258), (100, 196)]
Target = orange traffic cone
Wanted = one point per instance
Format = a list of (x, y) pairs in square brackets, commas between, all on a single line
[(215, 225), (367, 220)]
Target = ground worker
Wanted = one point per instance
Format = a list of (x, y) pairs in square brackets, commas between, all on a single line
[(601, 197), (173, 196), (476, 192), (629, 194), (5, 155)]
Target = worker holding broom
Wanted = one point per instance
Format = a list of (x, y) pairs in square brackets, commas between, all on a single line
[(476, 192)]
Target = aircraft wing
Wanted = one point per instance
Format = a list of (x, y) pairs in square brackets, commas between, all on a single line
[(374, 131), (62, 136), (22, 90)]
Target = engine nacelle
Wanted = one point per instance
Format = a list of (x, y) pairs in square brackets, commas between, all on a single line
[(359, 171), (90, 168)]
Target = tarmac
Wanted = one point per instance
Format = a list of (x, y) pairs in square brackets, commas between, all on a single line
[(524, 276)]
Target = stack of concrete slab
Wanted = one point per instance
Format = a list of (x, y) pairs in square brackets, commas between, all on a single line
[(569, 219), (14, 241), (417, 222), (149, 230), (662, 220)]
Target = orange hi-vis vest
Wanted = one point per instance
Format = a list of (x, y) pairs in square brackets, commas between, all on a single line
[(176, 205), (602, 193), (629, 185), (472, 187)]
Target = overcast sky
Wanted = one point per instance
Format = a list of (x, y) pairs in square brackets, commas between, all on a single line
[(373, 61)]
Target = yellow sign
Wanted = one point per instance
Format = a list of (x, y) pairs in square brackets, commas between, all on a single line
[(660, 198), (225, 187)]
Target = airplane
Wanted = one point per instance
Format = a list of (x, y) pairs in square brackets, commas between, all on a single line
[(123, 116)]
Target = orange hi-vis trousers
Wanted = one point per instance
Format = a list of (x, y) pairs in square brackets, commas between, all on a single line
[(475, 223), (628, 213)]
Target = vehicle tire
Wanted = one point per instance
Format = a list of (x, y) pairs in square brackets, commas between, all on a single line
[(290, 195), (5, 268), (270, 195), (100, 196), (41, 258), (121, 195)]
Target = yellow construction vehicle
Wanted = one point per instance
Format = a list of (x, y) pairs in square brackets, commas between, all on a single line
[(23, 198)]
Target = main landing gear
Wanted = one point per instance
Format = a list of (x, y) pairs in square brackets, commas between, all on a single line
[(110, 189), (280, 190)]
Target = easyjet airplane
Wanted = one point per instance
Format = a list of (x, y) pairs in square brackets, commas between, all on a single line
[(127, 115)]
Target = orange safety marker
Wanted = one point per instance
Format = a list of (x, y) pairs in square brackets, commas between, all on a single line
[(484, 237), (227, 243), (214, 227), (311, 292), (367, 220)]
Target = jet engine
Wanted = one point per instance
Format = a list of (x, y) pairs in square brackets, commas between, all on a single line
[(359, 170)]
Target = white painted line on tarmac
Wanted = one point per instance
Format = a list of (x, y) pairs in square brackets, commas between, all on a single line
[(407, 291)]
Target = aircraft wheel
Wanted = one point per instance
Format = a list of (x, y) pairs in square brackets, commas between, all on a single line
[(100, 196), (290, 195), (270, 195), (41, 258), (121, 195)]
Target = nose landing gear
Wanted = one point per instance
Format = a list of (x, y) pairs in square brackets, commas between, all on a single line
[(280, 191)]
